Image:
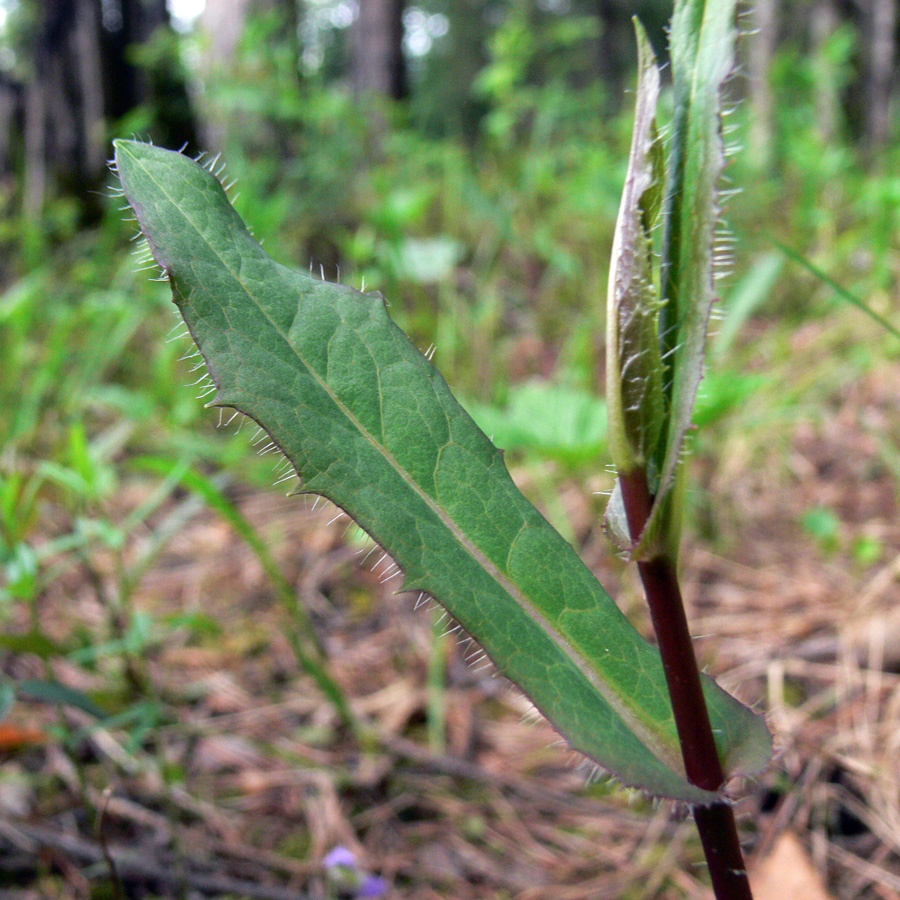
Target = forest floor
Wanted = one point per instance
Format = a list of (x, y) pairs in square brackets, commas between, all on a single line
[(249, 781)]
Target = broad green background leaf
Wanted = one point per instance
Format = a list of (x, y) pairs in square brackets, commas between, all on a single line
[(556, 421), (370, 424)]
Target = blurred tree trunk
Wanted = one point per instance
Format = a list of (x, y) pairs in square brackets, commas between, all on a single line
[(223, 23), (615, 47), (290, 10), (882, 26), (128, 23), (11, 109), (81, 76), (759, 61), (376, 49), (823, 22), (64, 102)]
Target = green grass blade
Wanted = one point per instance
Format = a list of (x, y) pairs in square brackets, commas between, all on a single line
[(370, 424), (51, 691), (836, 286)]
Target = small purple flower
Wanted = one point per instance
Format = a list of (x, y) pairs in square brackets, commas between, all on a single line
[(372, 886), (340, 856), (341, 866)]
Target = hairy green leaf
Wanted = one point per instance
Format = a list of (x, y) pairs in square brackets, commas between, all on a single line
[(702, 51), (370, 424), (634, 394)]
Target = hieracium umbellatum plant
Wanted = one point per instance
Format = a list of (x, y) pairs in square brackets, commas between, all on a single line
[(369, 423)]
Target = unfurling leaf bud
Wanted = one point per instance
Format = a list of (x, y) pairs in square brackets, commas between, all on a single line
[(634, 369)]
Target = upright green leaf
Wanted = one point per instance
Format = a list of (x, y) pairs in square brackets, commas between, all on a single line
[(702, 51), (370, 424), (634, 368), (634, 394)]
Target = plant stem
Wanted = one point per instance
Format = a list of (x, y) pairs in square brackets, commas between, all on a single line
[(715, 823)]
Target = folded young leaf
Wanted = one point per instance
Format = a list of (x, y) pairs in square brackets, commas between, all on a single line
[(634, 393), (370, 424), (702, 52)]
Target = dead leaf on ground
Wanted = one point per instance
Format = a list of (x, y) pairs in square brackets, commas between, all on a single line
[(787, 872)]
